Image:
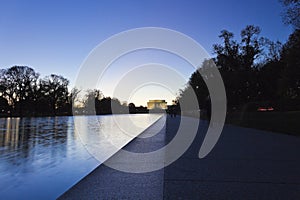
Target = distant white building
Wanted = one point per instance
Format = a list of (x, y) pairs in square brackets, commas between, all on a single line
[(156, 104)]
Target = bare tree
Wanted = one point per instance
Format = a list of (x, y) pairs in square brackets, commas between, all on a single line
[(19, 85), (55, 87)]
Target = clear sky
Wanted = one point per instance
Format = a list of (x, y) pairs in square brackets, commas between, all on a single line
[(56, 36)]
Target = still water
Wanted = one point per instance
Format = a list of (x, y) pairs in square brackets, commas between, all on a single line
[(40, 158)]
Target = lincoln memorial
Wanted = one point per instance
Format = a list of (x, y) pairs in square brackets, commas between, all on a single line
[(156, 104)]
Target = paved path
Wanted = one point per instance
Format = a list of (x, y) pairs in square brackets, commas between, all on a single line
[(245, 164), (107, 183)]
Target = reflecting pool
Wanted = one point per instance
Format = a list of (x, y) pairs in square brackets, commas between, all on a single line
[(40, 158)]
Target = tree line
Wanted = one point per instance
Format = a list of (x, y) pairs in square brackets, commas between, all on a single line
[(95, 103), (255, 70), (24, 93)]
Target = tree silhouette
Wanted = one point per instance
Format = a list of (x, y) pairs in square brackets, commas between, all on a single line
[(18, 85), (251, 46), (22, 93), (291, 13), (290, 77), (236, 61), (228, 55), (253, 70), (55, 89), (72, 100), (132, 108)]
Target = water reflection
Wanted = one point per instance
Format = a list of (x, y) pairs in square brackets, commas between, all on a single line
[(40, 158), (38, 152), (25, 141)]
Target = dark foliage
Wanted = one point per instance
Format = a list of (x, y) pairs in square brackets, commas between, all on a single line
[(22, 93), (291, 13), (254, 70)]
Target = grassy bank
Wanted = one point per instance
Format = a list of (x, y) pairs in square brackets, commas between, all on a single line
[(284, 122), (281, 122)]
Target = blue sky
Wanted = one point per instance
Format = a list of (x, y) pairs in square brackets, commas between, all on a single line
[(56, 36)]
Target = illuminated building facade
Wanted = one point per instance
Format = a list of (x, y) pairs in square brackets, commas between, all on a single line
[(156, 104)]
